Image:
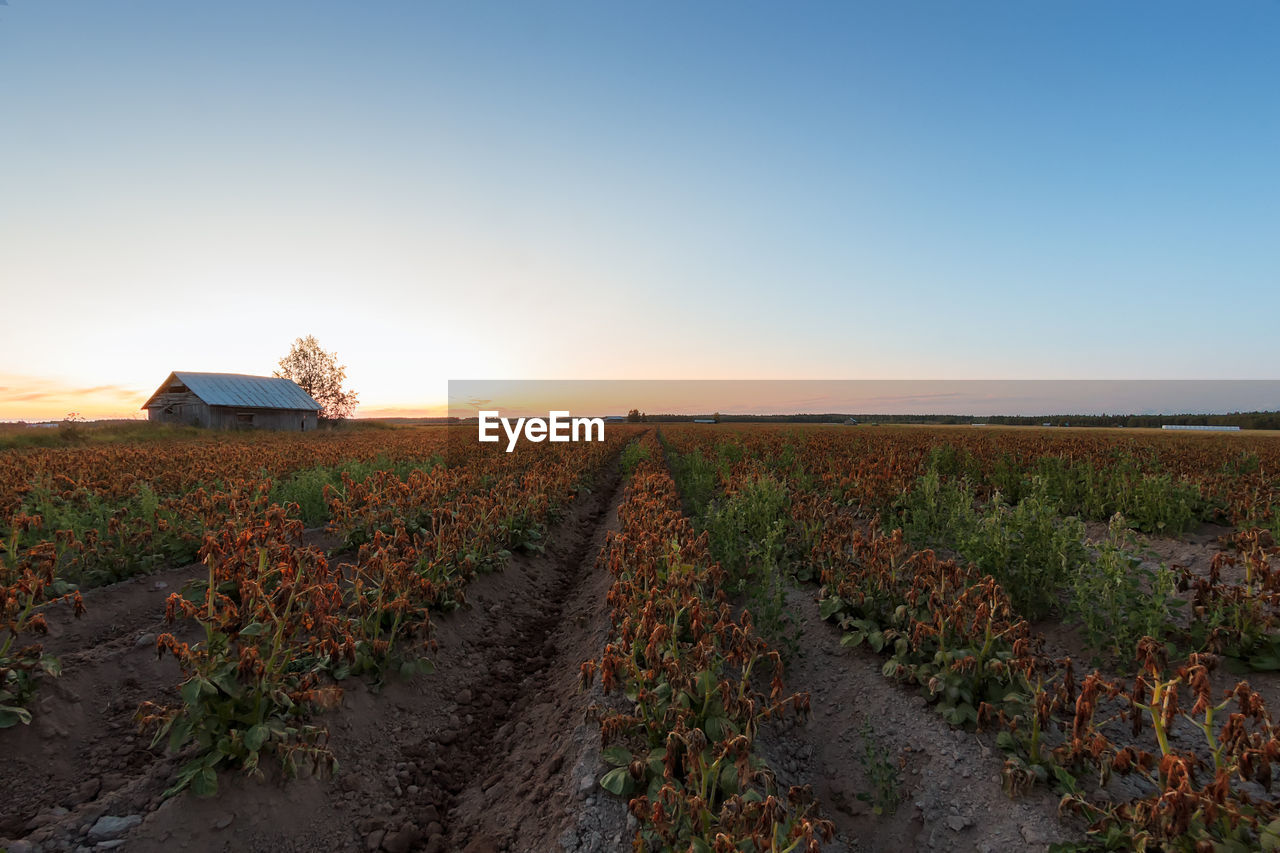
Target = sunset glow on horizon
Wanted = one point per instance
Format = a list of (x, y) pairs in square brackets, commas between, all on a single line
[(569, 190)]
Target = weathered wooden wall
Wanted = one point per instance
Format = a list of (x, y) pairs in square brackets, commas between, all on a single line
[(228, 417), (190, 410), (186, 409)]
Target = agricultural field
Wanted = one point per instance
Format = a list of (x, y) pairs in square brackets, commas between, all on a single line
[(687, 637)]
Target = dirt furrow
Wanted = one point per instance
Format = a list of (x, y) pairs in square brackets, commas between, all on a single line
[(82, 751), (488, 753), (83, 746), (948, 781), (538, 787)]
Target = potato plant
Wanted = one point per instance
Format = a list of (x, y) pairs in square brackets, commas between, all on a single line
[(957, 632), (700, 683), (28, 583)]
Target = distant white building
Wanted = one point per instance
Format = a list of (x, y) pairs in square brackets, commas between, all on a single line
[(1201, 428)]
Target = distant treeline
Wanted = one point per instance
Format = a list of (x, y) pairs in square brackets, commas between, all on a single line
[(1244, 420)]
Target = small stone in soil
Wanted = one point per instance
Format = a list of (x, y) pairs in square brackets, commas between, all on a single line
[(109, 826)]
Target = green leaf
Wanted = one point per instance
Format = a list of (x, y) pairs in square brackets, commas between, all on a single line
[(11, 715), (191, 691), (705, 681), (1265, 662), (204, 782), (617, 756), (253, 629), (184, 777), (829, 607), (178, 734), (1270, 836), (255, 737), (729, 779), (1065, 779), (226, 679), (617, 781)]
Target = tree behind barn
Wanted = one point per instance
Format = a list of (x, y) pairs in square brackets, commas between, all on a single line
[(318, 373)]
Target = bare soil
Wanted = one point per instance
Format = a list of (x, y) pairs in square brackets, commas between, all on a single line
[(491, 752), (948, 780)]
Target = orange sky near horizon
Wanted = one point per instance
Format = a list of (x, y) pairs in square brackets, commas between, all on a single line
[(24, 398), (32, 399)]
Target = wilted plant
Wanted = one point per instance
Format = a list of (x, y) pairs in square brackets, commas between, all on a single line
[(28, 581), (271, 615), (694, 675)]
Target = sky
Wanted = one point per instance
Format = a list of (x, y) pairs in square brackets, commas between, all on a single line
[(724, 189)]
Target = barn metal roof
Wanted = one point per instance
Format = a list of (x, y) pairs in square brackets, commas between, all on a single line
[(240, 391)]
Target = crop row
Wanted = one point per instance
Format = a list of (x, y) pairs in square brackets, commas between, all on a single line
[(283, 625), (116, 472), (1202, 758), (692, 674), (264, 639), (1159, 481), (121, 510)]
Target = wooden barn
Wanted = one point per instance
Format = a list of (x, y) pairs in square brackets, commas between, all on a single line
[(232, 401)]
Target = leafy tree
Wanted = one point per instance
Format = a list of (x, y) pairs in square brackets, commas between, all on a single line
[(318, 373), (633, 416)]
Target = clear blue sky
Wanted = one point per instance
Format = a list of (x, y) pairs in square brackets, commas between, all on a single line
[(620, 190)]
